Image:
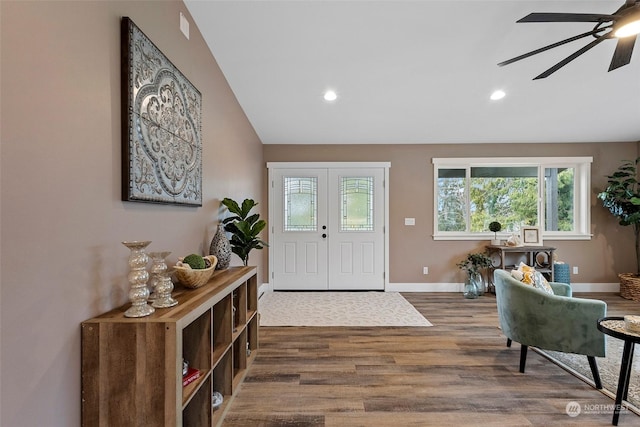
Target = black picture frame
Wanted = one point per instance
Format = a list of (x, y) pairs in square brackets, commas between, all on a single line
[(161, 125)]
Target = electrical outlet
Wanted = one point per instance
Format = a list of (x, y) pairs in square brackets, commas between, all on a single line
[(425, 270), (575, 270)]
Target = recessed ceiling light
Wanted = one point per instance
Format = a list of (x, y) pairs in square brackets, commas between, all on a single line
[(498, 94), (330, 95)]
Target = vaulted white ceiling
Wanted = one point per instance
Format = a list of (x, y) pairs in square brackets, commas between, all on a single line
[(418, 72)]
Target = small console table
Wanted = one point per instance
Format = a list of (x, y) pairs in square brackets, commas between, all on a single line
[(614, 326), (132, 368), (508, 257)]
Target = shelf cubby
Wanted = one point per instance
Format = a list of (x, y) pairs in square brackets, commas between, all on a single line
[(223, 382), (252, 335), (198, 413), (196, 350), (222, 329), (239, 357)]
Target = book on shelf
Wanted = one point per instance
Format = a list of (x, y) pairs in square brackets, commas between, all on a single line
[(191, 375)]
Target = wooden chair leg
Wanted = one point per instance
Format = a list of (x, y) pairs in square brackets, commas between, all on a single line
[(594, 370), (508, 342), (523, 357)]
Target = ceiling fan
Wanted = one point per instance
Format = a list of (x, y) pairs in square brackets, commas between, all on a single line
[(623, 24)]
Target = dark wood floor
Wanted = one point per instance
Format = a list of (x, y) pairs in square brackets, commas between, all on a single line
[(457, 373)]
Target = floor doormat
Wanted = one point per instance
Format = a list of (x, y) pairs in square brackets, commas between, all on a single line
[(609, 368), (338, 309)]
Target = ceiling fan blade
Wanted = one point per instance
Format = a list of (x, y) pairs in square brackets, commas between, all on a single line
[(567, 17), (627, 4), (551, 46), (573, 56), (622, 54)]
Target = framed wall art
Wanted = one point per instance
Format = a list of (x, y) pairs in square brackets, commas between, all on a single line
[(161, 132), (530, 236)]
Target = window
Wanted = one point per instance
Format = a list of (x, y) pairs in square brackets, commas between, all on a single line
[(552, 193)]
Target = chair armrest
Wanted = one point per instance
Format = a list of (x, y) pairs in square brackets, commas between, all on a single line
[(562, 289)]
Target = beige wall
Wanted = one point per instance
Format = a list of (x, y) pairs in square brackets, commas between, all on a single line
[(609, 252), (62, 220)]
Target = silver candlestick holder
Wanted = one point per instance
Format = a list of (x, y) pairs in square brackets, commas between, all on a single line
[(163, 293), (162, 284), (138, 276), (158, 271)]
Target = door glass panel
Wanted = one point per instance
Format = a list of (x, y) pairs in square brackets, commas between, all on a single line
[(356, 195), (300, 203)]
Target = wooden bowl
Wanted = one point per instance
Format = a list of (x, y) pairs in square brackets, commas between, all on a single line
[(194, 278)]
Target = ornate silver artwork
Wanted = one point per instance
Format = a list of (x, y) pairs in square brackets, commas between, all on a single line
[(162, 143)]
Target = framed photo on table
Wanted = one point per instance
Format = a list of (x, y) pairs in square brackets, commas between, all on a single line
[(531, 236)]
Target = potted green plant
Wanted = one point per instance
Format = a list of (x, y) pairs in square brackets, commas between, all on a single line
[(244, 228), (473, 265), (495, 226), (622, 199)]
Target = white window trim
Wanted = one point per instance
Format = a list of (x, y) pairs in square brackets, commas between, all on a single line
[(582, 193)]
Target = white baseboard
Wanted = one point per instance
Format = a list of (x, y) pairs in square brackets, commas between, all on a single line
[(424, 287), (265, 287), (595, 287), (458, 287)]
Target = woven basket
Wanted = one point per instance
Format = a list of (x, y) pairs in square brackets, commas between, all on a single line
[(629, 286), (190, 278)]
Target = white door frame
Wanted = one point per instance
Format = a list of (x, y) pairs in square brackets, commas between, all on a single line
[(333, 165)]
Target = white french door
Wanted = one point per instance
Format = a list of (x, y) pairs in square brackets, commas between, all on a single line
[(297, 248), (327, 226), (356, 222)]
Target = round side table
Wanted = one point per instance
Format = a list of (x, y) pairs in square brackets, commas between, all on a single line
[(614, 326)]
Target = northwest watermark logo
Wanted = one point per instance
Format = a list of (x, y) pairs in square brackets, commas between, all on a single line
[(573, 409)]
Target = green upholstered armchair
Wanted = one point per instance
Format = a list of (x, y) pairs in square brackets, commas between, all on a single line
[(557, 322)]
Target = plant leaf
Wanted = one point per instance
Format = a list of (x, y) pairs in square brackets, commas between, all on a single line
[(247, 205), (232, 205)]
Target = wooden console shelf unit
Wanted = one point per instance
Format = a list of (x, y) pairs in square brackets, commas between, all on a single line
[(132, 368), (509, 257)]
